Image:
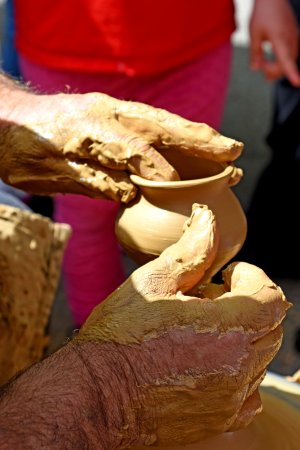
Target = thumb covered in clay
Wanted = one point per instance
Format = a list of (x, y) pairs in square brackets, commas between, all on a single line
[(176, 270)]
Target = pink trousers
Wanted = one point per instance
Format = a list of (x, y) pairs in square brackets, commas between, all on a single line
[(93, 264)]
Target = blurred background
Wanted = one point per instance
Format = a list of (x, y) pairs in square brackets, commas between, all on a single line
[(247, 118)]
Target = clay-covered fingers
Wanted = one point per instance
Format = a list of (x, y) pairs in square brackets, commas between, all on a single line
[(247, 280), (182, 265), (166, 130), (263, 350), (116, 149), (248, 306), (59, 175), (99, 182), (250, 408), (251, 301), (255, 365)]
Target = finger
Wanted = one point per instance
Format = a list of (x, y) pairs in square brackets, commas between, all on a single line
[(251, 407), (63, 176), (264, 349), (250, 309), (260, 356), (166, 130), (102, 182), (243, 278), (286, 56), (183, 264), (256, 52), (253, 301), (135, 154), (274, 70), (251, 304), (119, 151), (256, 356)]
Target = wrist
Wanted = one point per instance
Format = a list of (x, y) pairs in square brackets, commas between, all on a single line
[(114, 389), (13, 104), (81, 395)]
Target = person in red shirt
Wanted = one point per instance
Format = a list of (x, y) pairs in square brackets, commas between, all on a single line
[(170, 54)]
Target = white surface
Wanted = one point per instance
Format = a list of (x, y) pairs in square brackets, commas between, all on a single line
[(279, 382), (243, 10)]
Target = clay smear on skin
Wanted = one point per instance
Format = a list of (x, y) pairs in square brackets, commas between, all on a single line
[(156, 291)]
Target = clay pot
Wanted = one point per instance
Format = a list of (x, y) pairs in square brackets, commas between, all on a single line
[(276, 428), (154, 220)]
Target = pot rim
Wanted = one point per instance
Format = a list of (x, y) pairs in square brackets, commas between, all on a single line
[(139, 181)]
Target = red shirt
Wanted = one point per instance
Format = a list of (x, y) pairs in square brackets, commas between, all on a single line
[(135, 37)]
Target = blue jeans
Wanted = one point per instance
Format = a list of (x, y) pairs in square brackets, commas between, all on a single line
[(12, 197)]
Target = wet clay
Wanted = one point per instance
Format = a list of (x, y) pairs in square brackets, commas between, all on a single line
[(88, 144), (31, 250), (211, 352), (47, 170), (154, 220), (165, 130)]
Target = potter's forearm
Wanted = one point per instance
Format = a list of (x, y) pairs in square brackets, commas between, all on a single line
[(12, 94), (24, 151), (21, 106), (43, 144), (74, 399)]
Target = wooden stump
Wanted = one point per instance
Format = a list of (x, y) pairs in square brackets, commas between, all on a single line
[(31, 250)]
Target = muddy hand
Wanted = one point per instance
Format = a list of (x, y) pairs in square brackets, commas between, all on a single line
[(197, 362), (88, 144)]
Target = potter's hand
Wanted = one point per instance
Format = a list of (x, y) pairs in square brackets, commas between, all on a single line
[(273, 21), (196, 362), (88, 144)]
